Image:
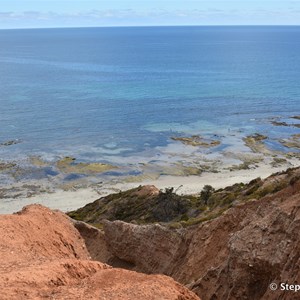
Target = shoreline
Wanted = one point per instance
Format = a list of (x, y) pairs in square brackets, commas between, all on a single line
[(73, 199), (187, 163), (194, 184)]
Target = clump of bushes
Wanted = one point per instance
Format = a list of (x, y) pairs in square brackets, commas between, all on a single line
[(206, 193), (169, 205)]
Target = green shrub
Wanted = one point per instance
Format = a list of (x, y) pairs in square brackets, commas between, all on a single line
[(206, 193)]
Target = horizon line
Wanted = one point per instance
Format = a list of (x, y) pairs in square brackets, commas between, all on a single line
[(149, 26)]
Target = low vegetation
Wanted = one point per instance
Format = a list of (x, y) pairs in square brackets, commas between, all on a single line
[(146, 204)]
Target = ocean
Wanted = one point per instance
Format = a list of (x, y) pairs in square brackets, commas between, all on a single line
[(119, 94)]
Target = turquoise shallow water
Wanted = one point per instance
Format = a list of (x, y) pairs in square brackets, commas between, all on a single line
[(106, 93)]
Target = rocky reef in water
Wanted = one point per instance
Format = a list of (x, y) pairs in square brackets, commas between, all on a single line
[(227, 244)]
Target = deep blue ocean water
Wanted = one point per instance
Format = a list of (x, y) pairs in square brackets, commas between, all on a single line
[(100, 92)]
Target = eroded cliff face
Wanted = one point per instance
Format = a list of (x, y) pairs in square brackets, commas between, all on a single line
[(42, 256), (259, 244), (234, 256), (149, 248)]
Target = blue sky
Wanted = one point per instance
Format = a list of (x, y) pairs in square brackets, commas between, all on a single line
[(77, 13)]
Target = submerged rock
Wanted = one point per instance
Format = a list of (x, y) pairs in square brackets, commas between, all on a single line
[(10, 142), (278, 123), (292, 142), (256, 143), (296, 117), (4, 166), (69, 165), (197, 141)]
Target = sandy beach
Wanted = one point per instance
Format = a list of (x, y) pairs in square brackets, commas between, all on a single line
[(187, 164), (67, 200)]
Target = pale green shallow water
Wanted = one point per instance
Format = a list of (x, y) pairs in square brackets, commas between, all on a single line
[(117, 95)]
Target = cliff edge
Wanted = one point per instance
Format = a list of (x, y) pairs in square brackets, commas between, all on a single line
[(42, 256), (236, 254)]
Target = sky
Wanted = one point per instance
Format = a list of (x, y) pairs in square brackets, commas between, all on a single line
[(86, 13)]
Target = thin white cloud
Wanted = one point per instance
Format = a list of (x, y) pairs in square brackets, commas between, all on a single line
[(121, 17)]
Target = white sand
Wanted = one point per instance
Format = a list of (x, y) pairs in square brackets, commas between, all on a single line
[(194, 184), (62, 200)]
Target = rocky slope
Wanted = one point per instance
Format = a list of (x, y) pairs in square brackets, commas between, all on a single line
[(42, 256), (248, 243)]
